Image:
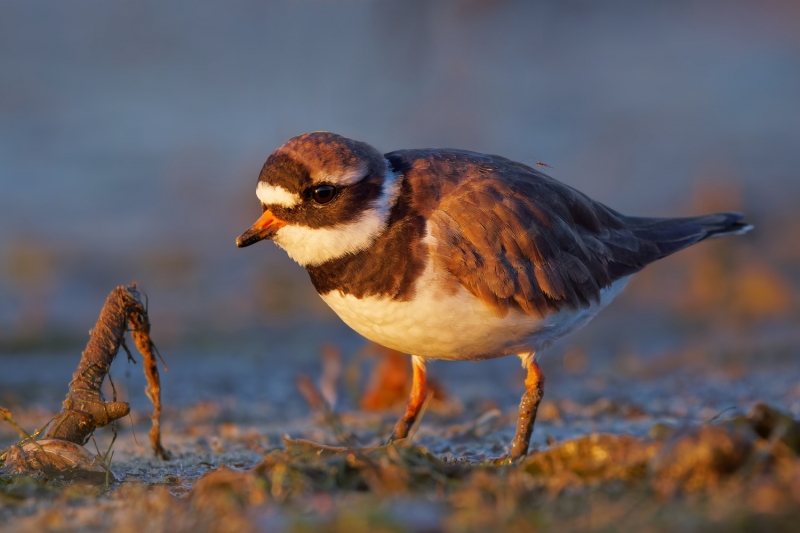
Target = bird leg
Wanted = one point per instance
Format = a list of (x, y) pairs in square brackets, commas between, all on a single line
[(534, 390), (415, 401)]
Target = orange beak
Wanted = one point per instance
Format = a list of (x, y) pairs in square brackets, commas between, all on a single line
[(264, 228)]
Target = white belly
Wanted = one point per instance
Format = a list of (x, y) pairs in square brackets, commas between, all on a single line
[(438, 325)]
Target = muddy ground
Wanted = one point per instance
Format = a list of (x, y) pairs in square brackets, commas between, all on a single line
[(627, 443)]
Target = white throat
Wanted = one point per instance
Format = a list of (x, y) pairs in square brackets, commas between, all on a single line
[(314, 246)]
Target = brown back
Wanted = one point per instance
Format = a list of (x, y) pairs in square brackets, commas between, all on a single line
[(516, 238)]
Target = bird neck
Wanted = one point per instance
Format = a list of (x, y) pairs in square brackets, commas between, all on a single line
[(386, 268)]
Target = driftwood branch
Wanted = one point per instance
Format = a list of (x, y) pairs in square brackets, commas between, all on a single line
[(84, 408)]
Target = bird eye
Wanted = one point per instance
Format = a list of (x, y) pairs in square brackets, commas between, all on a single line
[(324, 194)]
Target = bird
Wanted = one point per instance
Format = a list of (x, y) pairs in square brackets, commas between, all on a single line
[(456, 255)]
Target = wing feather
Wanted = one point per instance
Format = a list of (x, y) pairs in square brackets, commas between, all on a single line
[(518, 239)]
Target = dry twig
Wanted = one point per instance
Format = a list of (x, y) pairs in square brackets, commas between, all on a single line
[(84, 409), (319, 404)]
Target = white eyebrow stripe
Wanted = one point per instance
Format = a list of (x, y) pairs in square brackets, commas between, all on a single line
[(276, 195), (349, 177)]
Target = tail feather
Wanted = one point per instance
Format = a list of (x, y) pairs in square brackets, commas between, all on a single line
[(672, 234)]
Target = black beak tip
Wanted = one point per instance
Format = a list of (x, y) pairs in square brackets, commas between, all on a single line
[(253, 236), (243, 241)]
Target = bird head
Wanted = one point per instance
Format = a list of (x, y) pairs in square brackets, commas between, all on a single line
[(323, 196)]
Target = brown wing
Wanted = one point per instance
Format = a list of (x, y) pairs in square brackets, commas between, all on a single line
[(516, 238)]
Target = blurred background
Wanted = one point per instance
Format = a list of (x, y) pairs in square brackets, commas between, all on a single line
[(132, 134)]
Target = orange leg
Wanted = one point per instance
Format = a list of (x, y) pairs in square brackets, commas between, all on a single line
[(415, 401), (534, 390)]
